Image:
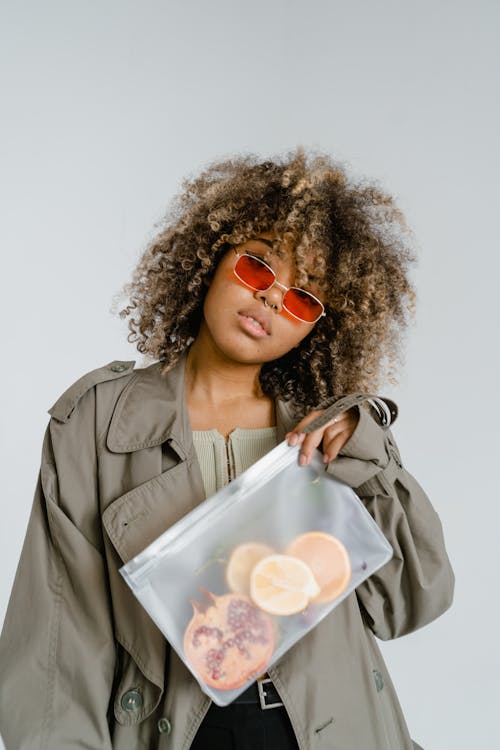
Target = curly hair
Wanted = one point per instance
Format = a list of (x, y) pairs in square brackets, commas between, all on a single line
[(351, 233)]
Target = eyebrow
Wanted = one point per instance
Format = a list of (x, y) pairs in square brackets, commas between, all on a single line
[(265, 241)]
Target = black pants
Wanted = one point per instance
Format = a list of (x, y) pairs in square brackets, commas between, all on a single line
[(242, 726)]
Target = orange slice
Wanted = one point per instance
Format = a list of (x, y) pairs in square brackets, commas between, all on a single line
[(241, 562), (282, 585), (327, 558)]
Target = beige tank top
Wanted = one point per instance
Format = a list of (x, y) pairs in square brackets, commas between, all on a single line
[(222, 461)]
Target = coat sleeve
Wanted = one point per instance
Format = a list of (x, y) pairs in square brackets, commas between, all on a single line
[(57, 651), (416, 586)]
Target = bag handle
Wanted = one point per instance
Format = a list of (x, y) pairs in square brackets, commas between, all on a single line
[(386, 409)]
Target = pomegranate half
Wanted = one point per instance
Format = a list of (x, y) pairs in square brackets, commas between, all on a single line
[(230, 642)]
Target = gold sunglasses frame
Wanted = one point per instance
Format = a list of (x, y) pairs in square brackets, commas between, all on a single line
[(281, 286)]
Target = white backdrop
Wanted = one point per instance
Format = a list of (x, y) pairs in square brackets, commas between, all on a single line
[(107, 105)]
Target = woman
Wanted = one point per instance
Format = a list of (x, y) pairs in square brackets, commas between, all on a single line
[(271, 288)]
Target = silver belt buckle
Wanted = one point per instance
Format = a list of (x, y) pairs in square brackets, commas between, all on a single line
[(262, 695)]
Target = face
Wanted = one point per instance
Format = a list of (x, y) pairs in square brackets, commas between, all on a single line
[(250, 326)]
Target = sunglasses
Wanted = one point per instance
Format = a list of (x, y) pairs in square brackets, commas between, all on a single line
[(260, 277)]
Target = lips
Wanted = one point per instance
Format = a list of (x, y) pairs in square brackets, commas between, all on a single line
[(259, 317)]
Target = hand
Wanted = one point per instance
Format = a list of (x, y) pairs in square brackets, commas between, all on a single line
[(334, 435)]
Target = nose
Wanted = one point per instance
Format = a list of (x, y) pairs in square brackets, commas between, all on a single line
[(272, 297)]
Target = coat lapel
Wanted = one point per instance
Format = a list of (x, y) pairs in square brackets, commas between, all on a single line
[(152, 410), (150, 424)]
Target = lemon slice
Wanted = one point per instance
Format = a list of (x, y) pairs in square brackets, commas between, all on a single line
[(242, 560), (282, 585)]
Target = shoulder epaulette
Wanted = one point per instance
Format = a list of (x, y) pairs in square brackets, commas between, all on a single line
[(65, 404)]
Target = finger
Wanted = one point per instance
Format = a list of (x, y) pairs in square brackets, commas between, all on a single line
[(297, 430), (309, 445), (296, 436), (313, 439), (333, 438), (333, 446), (332, 428)]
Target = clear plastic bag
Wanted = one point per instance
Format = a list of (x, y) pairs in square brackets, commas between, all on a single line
[(186, 579)]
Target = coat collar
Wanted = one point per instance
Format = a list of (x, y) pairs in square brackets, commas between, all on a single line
[(152, 409)]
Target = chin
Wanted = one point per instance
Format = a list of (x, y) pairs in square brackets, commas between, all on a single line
[(245, 355)]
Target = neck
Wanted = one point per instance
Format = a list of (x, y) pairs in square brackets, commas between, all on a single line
[(216, 379)]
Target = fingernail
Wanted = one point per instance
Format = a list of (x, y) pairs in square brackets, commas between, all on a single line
[(325, 458), (302, 459)]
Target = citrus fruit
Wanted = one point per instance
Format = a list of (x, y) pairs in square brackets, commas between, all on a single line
[(241, 562), (230, 642), (282, 585), (327, 558)]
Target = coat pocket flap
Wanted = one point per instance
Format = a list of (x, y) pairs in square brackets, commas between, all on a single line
[(138, 517)]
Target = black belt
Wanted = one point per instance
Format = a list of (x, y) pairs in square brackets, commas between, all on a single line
[(261, 693)]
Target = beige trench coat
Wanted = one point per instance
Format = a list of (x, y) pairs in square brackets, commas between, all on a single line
[(81, 663)]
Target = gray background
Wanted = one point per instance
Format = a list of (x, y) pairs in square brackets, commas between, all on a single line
[(107, 105)]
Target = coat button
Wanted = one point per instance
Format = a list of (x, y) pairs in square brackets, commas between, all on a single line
[(118, 368), (164, 726), (379, 680), (131, 700)]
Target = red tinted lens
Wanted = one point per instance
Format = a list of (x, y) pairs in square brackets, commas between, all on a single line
[(303, 305), (254, 272)]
